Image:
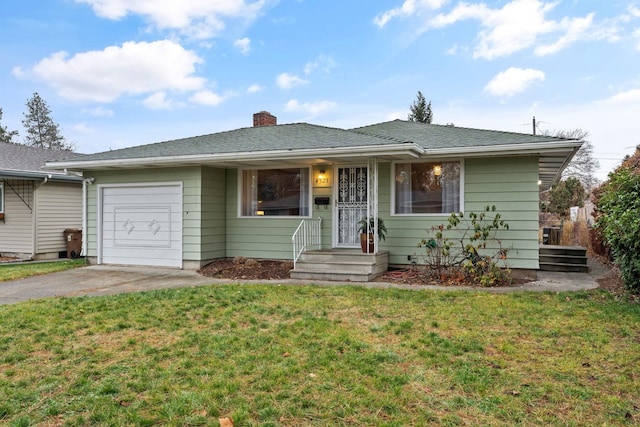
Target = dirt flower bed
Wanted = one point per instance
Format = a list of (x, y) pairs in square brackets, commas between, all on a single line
[(240, 268)]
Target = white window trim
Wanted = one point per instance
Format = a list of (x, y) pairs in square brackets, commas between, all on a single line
[(392, 185), (240, 185), (1, 197)]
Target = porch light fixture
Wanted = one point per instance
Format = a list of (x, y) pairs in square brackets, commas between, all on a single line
[(323, 178), (260, 213), (401, 177), (437, 170)]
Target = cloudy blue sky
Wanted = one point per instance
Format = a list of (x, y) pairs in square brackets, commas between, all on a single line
[(117, 73)]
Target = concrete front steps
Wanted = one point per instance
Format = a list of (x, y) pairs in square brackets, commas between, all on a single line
[(340, 265), (572, 259)]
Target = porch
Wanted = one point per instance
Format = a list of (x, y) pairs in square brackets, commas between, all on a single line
[(342, 264)]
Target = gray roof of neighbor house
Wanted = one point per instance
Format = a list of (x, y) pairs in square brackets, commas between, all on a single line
[(24, 162), (312, 144)]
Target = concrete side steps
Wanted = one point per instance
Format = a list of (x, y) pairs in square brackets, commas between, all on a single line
[(572, 259), (340, 265)]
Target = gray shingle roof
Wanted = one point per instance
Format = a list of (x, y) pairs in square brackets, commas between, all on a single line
[(298, 136), (431, 136), (16, 158)]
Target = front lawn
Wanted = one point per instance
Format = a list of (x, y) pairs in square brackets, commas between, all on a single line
[(16, 271), (316, 356)]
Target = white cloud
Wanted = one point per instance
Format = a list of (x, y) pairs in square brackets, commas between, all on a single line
[(408, 8), (243, 45), (630, 97), (255, 88), (518, 25), (208, 98), (130, 69), (159, 101), (313, 108), (99, 112), (82, 128), (18, 72), (196, 18), (288, 81), (513, 81), (636, 35), (323, 62), (575, 30)]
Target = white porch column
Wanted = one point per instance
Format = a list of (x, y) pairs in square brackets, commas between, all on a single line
[(372, 199)]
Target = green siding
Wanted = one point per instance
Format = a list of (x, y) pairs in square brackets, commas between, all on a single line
[(508, 183), (190, 178), (212, 228), (212, 200), (264, 237)]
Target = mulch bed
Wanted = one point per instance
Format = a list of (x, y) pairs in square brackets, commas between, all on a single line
[(240, 268)]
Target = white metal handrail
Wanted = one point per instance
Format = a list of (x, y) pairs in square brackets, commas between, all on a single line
[(307, 235)]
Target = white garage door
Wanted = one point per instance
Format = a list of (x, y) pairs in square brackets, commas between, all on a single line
[(142, 225)]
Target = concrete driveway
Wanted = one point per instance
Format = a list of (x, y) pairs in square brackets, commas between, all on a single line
[(98, 280)]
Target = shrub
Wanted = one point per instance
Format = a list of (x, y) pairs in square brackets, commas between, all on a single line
[(619, 222), (467, 245)]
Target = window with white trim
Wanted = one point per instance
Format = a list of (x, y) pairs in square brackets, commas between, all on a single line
[(275, 192), (427, 188), (1, 197)]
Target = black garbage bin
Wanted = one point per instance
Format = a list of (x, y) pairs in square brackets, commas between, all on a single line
[(73, 237)]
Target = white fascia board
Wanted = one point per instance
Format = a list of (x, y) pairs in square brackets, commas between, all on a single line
[(411, 149), (497, 150)]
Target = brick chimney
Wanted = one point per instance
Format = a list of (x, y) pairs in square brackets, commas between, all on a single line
[(264, 118)]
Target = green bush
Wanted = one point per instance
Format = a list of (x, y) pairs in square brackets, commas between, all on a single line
[(618, 205), (467, 244)]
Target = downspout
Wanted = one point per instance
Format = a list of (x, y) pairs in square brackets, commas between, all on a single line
[(85, 181), (34, 216)]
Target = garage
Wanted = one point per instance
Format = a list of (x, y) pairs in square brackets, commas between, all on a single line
[(141, 225)]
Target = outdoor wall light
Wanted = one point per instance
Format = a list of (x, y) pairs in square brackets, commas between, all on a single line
[(437, 170), (323, 178)]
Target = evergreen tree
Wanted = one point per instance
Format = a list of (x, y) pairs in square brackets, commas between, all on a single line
[(6, 135), (565, 194), (42, 131), (420, 110)]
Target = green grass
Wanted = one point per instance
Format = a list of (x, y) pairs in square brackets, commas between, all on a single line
[(20, 271), (316, 356)]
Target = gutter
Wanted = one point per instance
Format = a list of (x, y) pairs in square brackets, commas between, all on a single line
[(411, 149), (17, 175)]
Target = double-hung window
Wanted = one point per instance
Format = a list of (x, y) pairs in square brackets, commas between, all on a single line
[(275, 192), (427, 188)]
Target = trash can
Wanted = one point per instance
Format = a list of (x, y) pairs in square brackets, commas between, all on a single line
[(73, 237)]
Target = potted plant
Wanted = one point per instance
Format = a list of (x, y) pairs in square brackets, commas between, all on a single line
[(366, 227)]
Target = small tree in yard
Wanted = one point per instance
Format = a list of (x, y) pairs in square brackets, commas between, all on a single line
[(618, 209), (564, 195), (467, 245), (42, 131)]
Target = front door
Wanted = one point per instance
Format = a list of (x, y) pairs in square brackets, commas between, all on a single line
[(351, 204)]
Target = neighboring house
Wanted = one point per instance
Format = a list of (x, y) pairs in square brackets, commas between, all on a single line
[(186, 202), (36, 206)]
